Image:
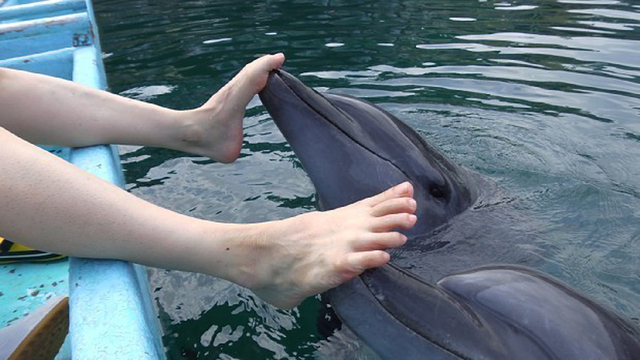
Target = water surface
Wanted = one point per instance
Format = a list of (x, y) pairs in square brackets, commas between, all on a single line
[(540, 96)]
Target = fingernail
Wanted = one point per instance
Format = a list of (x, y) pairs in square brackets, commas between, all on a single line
[(413, 218)]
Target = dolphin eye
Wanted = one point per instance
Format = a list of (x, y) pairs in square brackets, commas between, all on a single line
[(436, 192)]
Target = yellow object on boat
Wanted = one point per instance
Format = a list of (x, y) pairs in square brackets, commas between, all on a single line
[(13, 252)]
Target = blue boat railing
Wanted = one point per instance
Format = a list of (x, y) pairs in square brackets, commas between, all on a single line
[(41, 9)]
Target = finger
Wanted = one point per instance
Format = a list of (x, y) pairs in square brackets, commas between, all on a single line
[(361, 261), (402, 190), (379, 241), (394, 206), (393, 221)]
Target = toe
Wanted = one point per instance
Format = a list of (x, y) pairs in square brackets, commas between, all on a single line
[(361, 261), (379, 241), (393, 221), (402, 190), (399, 205)]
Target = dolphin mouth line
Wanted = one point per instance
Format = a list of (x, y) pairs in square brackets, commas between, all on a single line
[(287, 84)]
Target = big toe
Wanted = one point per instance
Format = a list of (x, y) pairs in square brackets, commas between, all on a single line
[(268, 62)]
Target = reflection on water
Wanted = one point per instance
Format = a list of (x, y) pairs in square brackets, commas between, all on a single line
[(542, 96)]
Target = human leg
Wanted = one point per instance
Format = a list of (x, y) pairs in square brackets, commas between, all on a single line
[(51, 111), (59, 208)]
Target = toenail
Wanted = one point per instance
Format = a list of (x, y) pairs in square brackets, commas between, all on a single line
[(401, 188)]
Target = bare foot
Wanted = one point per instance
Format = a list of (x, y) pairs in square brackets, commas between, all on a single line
[(215, 129), (314, 252)]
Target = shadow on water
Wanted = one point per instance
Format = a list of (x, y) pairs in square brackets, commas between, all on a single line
[(541, 96)]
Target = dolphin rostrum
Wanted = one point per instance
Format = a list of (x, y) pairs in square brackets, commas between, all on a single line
[(352, 149)]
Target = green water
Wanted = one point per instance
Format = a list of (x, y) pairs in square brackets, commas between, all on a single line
[(541, 96)]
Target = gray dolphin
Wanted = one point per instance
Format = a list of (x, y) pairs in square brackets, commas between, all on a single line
[(352, 149)]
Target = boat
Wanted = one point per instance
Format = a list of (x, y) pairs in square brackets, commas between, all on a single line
[(111, 313)]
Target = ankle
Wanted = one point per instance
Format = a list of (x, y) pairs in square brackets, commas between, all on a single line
[(209, 132), (190, 131), (252, 256), (193, 135), (268, 253)]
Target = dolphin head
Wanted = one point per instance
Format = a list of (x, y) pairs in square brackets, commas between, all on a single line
[(352, 149)]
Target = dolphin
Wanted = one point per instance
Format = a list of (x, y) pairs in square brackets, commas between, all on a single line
[(435, 300)]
